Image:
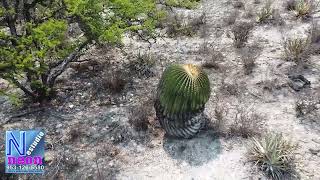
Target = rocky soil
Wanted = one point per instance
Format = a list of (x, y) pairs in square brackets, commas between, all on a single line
[(89, 134)]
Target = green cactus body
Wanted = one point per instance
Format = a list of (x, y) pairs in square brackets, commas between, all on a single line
[(182, 93), (183, 88)]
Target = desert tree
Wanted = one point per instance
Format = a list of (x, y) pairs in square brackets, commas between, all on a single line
[(35, 47)]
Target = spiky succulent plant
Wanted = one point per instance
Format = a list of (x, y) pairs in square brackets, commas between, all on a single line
[(184, 88), (274, 155)]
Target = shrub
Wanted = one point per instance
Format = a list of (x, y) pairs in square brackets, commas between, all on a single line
[(241, 33), (238, 4), (256, 2), (308, 106), (220, 118), (249, 62), (213, 60), (143, 65), (189, 4), (296, 49), (139, 116), (290, 5), (249, 12), (273, 155), (37, 48), (315, 38), (276, 18), (212, 57), (266, 12), (315, 33), (176, 26), (116, 82), (231, 18), (233, 88), (247, 123)]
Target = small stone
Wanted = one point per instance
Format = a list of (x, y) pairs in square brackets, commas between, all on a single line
[(151, 145), (111, 164), (49, 156), (316, 140), (314, 151), (71, 106), (59, 126), (298, 82)]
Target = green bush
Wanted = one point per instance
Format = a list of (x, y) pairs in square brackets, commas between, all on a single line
[(189, 4), (37, 48)]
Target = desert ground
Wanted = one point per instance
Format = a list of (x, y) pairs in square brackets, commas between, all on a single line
[(97, 132)]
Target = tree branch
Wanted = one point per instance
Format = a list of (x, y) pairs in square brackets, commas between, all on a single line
[(11, 20), (63, 65), (26, 8), (23, 88)]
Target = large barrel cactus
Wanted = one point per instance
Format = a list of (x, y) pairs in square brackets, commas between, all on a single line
[(182, 93)]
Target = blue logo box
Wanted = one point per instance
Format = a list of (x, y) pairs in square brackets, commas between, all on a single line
[(24, 151)]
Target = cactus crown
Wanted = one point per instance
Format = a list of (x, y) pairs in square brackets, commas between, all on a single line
[(183, 88)]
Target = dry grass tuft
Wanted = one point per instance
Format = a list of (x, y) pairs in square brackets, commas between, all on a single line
[(239, 121), (139, 116), (231, 18), (290, 5), (274, 156), (297, 49), (249, 62), (241, 32), (247, 123), (220, 118), (116, 83), (315, 33), (213, 60), (256, 1), (308, 107), (315, 38), (177, 26), (233, 88), (143, 65), (238, 4), (212, 56)]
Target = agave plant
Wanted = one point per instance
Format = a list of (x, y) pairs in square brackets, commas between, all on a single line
[(266, 12), (274, 155), (305, 8), (182, 93)]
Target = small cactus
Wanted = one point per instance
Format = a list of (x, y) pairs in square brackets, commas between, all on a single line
[(182, 93)]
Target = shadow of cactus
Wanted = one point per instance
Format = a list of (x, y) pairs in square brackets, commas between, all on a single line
[(196, 151)]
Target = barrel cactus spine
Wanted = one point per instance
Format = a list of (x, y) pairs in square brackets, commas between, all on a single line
[(182, 93)]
